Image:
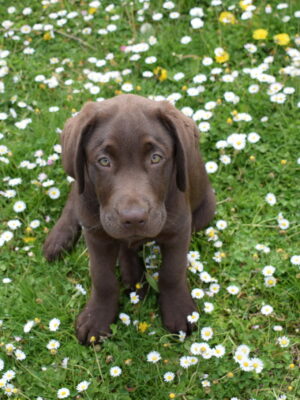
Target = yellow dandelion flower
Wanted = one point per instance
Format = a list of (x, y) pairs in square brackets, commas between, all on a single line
[(227, 18), (222, 58), (260, 34), (47, 36), (161, 73), (244, 4), (282, 39), (143, 326), (92, 10)]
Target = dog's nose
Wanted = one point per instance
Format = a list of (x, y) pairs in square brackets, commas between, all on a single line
[(133, 217)]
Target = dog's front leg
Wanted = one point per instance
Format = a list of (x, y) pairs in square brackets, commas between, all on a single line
[(175, 299), (100, 311)]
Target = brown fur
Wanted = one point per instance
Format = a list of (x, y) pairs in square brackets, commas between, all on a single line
[(138, 176)]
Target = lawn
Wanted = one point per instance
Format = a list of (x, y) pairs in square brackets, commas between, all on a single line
[(234, 68)]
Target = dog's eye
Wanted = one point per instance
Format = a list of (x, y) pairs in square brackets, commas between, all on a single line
[(156, 158), (104, 162)]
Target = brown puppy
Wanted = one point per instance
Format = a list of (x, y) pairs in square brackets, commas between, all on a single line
[(138, 176)]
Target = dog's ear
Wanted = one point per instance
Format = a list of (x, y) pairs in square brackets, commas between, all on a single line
[(76, 131), (185, 136)]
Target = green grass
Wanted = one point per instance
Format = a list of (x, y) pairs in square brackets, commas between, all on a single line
[(42, 291)]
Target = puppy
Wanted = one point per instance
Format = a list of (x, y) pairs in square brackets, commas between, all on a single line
[(138, 176)]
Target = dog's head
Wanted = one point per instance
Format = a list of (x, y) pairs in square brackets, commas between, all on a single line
[(133, 152)]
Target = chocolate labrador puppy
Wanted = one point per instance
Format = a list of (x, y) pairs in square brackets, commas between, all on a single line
[(138, 177)]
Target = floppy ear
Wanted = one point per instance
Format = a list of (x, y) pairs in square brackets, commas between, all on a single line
[(185, 135), (76, 131)]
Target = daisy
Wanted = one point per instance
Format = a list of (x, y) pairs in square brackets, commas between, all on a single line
[(221, 224), (197, 293), (225, 159), (193, 318), (125, 319), (257, 364), (270, 281), (243, 348), (169, 376), (134, 298), (266, 310), (271, 199), (283, 341), (53, 345), (1, 364), (28, 326), (246, 365), (19, 206), (115, 371), (153, 357), (211, 167), (53, 193), (20, 355), (208, 307), (196, 348), (295, 260), (207, 333), (218, 351), (232, 289), (268, 270), (63, 393), (253, 137), (54, 324), (185, 362), (9, 375)]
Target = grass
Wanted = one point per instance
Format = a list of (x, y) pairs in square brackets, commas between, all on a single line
[(38, 291)]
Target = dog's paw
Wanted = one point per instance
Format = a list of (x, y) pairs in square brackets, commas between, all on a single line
[(60, 240), (93, 324), (175, 308)]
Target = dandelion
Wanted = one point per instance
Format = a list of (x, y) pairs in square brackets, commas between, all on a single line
[(63, 393), (169, 376), (282, 39), (153, 357), (260, 34), (227, 18), (221, 56), (115, 371)]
